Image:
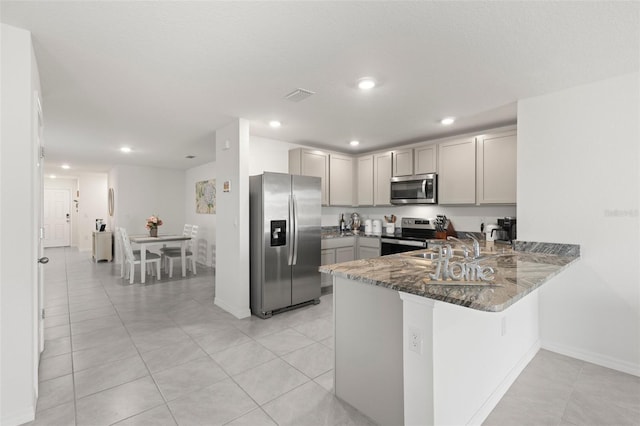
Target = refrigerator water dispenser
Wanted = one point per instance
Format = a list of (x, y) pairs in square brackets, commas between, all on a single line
[(278, 233)]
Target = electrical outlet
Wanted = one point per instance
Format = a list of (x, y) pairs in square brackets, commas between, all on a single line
[(415, 340)]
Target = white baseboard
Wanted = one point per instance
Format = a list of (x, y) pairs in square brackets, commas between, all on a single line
[(236, 312), (495, 397), (594, 358), (17, 418)]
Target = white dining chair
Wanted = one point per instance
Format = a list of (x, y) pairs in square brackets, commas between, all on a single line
[(120, 234), (186, 231), (169, 255), (134, 259)]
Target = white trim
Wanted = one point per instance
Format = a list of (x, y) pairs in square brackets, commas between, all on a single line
[(238, 313), (25, 415), (495, 397), (420, 300), (593, 357)]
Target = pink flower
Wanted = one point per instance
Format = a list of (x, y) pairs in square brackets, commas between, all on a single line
[(153, 222)]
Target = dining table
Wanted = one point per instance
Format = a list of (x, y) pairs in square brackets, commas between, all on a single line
[(144, 241)]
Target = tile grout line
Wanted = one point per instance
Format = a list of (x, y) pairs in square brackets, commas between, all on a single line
[(73, 375), (145, 365), (573, 386)]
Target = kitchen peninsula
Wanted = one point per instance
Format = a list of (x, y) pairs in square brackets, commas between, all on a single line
[(410, 349)]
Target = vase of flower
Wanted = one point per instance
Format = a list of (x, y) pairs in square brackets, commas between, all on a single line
[(152, 225)]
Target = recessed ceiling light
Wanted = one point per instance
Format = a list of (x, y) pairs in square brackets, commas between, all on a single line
[(275, 124), (354, 143), (447, 121), (125, 149), (366, 83), (66, 166), (52, 176)]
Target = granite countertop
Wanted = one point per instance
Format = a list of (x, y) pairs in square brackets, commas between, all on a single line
[(517, 273)]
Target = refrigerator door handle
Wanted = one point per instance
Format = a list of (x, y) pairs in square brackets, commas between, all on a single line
[(295, 230), (291, 231)]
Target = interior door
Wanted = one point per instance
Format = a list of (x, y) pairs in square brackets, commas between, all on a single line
[(57, 217), (38, 194)]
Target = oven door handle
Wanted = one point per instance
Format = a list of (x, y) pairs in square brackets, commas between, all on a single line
[(404, 242)]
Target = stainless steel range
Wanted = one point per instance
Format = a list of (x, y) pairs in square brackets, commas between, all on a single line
[(413, 236)]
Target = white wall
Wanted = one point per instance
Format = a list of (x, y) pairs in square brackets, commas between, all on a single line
[(140, 192), (18, 245), (206, 222), (578, 183), (232, 211), (92, 205), (269, 155)]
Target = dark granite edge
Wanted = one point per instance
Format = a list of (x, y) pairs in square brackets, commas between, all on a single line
[(558, 249)]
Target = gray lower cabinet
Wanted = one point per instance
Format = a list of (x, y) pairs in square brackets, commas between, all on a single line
[(327, 257), (346, 249), (336, 250), (368, 248)]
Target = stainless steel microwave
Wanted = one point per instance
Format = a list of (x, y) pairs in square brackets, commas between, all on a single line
[(417, 189)]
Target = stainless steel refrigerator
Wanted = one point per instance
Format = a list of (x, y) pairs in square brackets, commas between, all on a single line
[(285, 242)]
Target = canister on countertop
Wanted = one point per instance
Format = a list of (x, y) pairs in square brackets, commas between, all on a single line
[(390, 227), (377, 227), (368, 226)]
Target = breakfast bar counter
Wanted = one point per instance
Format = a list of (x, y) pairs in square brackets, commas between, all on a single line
[(437, 336), (517, 273)]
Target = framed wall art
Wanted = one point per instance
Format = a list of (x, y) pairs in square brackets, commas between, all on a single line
[(206, 197)]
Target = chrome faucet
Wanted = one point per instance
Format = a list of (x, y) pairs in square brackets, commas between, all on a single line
[(476, 246), (467, 250)]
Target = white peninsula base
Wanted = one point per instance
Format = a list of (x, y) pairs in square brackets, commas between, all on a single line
[(406, 359)]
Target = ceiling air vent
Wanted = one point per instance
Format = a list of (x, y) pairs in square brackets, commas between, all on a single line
[(299, 95)]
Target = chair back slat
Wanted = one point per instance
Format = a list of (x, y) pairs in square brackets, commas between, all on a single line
[(126, 245), (194, 235)]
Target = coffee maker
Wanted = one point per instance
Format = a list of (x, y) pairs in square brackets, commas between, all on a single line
[(508, 226)]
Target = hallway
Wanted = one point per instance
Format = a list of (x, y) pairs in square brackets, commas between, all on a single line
[(163, 354)]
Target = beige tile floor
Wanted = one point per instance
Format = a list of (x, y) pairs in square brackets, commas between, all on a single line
[(163, 354)]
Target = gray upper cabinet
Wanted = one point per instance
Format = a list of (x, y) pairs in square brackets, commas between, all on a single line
[(425, 159), (307, 162), (382, 179), (340, 180), (402, 162), (457, 171), (472, 170), (365, 181), (496, 178)]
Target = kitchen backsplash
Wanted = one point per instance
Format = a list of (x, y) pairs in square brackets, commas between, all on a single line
[(467, 218)]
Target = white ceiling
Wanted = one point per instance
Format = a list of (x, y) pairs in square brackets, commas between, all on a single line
[(162, 76)]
